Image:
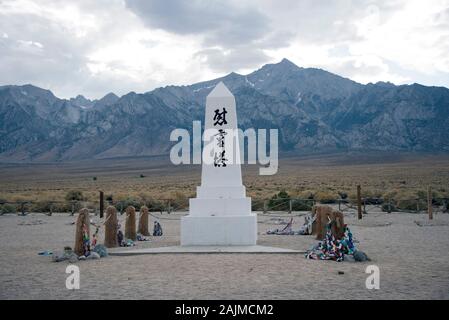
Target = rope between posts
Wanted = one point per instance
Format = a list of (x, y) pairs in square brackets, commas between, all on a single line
[(439, 204), (102, 224)]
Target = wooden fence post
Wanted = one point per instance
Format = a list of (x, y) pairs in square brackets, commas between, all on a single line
[(130, 223), (101, 204), (22, 208), (111, 228), (82, 229), (359, 202), (143, 221), (265, 204), (429, 202), (290, 206)]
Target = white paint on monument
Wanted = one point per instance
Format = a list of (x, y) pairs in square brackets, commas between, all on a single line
[(221, 212)]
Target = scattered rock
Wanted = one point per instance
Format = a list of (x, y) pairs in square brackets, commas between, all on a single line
[(341, 272), (59, 256), (67, 254), (360, 256), (93, 256), (63, 256), (101, 250), (82, 258), (73, 258), (140, 237)]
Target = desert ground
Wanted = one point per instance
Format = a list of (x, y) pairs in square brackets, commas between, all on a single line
[(413, 262), (413, 259)]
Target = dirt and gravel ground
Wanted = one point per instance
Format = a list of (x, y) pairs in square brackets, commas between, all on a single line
[(413, 262)]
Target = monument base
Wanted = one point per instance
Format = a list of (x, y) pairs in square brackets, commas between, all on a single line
[(219, 230)]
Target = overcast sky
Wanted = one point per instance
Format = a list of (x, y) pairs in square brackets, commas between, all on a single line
[(95, 47)]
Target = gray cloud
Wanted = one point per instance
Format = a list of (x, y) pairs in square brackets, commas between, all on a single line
[(229, 29), (56, 61), (233, 59), (327, 20), (54, 44), (37, 49), (220, 22), (441, 19), (242, 31), (351, 69)]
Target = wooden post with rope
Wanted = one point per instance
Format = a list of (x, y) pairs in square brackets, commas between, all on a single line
[(82, 230), (359, 202), (22, 208), (110, 228), (429, 202), (143, 221), (323, 216), (101, 204), (51, 209), (130, 223), (168, 206)]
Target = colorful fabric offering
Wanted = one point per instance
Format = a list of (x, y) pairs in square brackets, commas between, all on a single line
[(331, 248)]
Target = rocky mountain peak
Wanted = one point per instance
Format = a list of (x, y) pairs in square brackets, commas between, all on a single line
[(312, 108), (81, 101), (107, 100)]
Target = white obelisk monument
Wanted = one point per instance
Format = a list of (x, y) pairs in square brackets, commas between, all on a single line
[(221, 212)]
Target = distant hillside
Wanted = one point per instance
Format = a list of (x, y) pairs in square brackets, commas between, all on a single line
[(314, 110)]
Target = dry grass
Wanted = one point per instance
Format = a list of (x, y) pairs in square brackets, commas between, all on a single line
[(400, 176)]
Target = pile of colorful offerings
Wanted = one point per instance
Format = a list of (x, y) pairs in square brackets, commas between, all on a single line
[(305, 229), (157, 230), (333, 249), (287, 230), (91, 249), (141, 237), (97, 252)]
